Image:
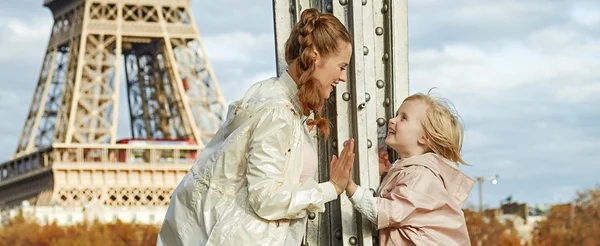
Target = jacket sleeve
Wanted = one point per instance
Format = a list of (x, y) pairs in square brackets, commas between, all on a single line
[(268, 154), (365, 203), (416, 192)]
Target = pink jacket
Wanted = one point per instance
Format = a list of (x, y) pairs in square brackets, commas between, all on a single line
[(419, 203)]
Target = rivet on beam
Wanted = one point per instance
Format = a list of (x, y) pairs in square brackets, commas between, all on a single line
[(329, 7), (381, 121), (353, 240), (380, 84), (362, 106), (338, 234), (346, 96)]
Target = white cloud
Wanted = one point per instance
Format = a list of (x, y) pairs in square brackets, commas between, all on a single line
[(475, 138), (556, 38), (214, 17), (22, 31), (580, 93), (473, 70), (586, 14), (240, 59), (487, 22), (9, 98), (236, 46), (450, 54), (24, 40), (541, 124)]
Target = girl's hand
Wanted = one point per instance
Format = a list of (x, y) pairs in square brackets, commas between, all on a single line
[(384, 161), (351, 188)]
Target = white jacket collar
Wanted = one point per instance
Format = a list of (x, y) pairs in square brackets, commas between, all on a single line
[(292, 90)]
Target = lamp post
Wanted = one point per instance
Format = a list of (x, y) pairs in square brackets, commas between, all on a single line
[(480, 179)]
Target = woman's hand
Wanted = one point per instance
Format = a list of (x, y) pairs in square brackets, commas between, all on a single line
[(340, 169), (384, 161)]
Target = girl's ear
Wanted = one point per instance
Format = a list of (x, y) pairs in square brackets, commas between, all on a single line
[(423, 140)]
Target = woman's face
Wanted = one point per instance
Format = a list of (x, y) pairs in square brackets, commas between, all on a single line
[(330, 71)]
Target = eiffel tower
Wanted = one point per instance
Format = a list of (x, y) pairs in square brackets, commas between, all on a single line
[(68, 154)]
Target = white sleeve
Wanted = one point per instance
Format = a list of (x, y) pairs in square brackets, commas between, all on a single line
[(365, 203)]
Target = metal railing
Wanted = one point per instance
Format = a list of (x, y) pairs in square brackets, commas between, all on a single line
[(98, 153)]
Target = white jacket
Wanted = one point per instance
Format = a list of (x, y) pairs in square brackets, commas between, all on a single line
[(244, 189)]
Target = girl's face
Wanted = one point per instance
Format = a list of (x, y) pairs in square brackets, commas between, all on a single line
[(405, 131)]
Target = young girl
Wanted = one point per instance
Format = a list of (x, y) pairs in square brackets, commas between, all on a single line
[(421, 195)]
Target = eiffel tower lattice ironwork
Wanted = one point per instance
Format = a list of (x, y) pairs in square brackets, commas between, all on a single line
[(68, 153)]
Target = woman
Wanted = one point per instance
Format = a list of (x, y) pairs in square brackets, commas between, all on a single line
[(252, 184)]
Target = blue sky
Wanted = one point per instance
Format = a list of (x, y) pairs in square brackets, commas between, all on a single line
[(523, 75)]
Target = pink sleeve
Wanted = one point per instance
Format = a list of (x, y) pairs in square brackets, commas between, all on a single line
[(416, 191)]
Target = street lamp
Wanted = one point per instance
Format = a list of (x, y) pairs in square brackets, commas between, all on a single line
[(480, 180)]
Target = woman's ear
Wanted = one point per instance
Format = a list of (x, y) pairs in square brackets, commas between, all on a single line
[(317, 57)]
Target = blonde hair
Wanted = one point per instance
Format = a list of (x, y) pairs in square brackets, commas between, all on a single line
[(442, 127)]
